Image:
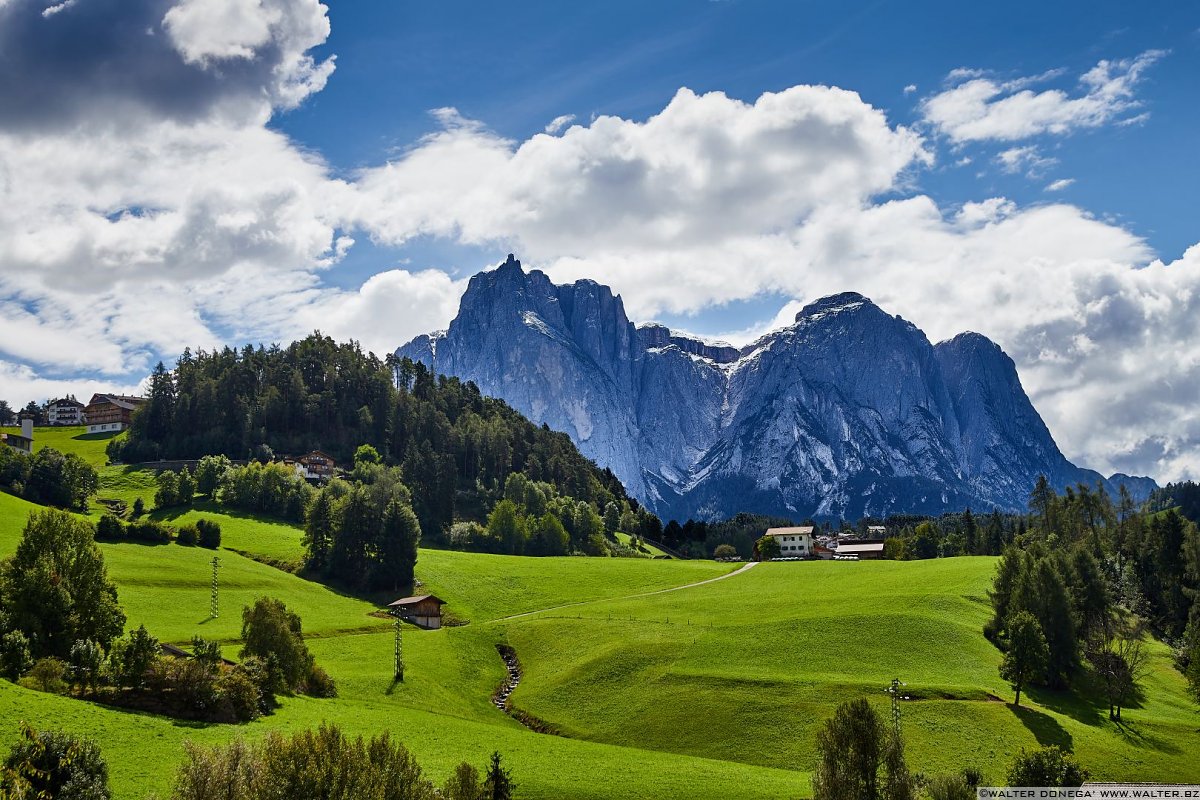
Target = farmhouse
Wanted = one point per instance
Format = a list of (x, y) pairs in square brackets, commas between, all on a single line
[(315, 466), (793, 542), (21, 441), (110, 412), (423, 610), (65, 411), (861, 549)]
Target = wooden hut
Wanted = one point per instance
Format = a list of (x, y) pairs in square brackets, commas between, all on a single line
[(423, 610)]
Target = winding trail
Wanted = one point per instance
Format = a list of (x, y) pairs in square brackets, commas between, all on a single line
[(748, 566)]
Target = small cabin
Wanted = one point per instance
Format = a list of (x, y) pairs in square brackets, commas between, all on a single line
[(423, 610)]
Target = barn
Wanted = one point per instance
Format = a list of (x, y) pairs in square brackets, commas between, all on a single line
[(423, 610)]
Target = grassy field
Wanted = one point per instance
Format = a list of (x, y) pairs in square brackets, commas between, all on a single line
[(660, 694), (72, 439)]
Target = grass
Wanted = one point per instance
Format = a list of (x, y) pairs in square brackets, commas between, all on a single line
[(72, 439), (713, 689)]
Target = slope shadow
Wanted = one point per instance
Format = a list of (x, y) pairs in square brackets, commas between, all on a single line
[(1044, 727)]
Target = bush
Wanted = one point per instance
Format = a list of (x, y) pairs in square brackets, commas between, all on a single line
[(132, 657), (110, 528), (47, 675), (148, 531), (210, 533), (949, 787), (1046, 766), (280, 766), (86, 661), (240, 695), (319, 684), (188, 535), (725, 552), (139, 507), (55, 764), (15, 655)]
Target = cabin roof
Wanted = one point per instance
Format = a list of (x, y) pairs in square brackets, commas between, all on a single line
[(415, 600)]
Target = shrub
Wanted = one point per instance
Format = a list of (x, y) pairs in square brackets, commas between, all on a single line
[(110, 528), (47, 675), (319, 684), (188, 535), (148, 531), (207, 652), (240, 695), (139, 507), (15, 655), (194, 687), (466, 535), (280, 766), (725, 551), (210, 533), (55, 764), (1046, 766), (949, 787), (463, 784)]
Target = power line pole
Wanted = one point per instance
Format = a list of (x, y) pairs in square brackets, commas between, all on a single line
[(894, 691), (212, 607), (399, 653)]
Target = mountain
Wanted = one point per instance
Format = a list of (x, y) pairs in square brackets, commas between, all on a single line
[(847, 412)]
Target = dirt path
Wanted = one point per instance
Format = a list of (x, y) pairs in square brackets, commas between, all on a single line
[(739, 571)]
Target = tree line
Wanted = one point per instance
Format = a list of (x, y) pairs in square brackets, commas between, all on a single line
[(1081, 589), (48, 477)]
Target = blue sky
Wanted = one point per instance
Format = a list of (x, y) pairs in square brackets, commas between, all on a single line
[(207, 172), (516, 67)]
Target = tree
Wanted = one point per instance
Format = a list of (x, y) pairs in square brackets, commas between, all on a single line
[(1042, 502), (498, 784), (1027, 655), (849, 748), (725, 552), (55, 589), (132, 657), (506, 526), (1120, 661), (463, 784), (167, 494), (768, 548), (320, 528), (1046, 766), (86, 660), (399, 539), (15, 655), (66, 481), (273, 633), (366, 454), (54, 764), (209, 473)]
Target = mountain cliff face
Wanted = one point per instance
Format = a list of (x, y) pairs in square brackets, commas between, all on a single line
[(849, 411)]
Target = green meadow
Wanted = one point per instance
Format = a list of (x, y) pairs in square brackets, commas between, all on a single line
[(658, 691)]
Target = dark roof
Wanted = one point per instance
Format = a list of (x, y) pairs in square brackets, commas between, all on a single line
[(414, 600), (66, 401), (118, 400)]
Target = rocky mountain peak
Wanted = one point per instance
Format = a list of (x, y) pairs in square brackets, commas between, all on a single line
[(849, 411)]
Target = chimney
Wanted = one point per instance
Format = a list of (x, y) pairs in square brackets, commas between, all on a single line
[(27, 428)]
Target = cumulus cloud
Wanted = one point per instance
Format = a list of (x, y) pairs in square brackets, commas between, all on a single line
[(146, 206), (558, 123), (978, 107), (1027, 159)]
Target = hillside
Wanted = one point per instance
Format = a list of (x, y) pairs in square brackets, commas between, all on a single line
[(638, 680), (457, 448), (847, 412)]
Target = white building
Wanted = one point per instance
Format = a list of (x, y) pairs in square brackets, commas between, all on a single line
[(793, 542), (66, 411)]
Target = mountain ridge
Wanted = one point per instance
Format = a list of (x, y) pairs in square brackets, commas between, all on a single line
[(848, 411)]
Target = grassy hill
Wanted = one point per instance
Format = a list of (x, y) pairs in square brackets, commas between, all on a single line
[(662, 694), (72, 439)]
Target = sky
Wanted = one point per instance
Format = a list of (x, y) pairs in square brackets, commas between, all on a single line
[(206, 172)]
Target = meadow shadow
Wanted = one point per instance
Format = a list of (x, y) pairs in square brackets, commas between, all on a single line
[(1044, 728)]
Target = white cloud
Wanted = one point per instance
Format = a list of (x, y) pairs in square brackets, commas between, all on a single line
[(1059, 185), (558, 123), (976, 107), (1026, 159), (135, 221), (912, 87)]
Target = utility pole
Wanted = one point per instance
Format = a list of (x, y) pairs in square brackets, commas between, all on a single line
[(399, 653), (212, 608), (894, 691)]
